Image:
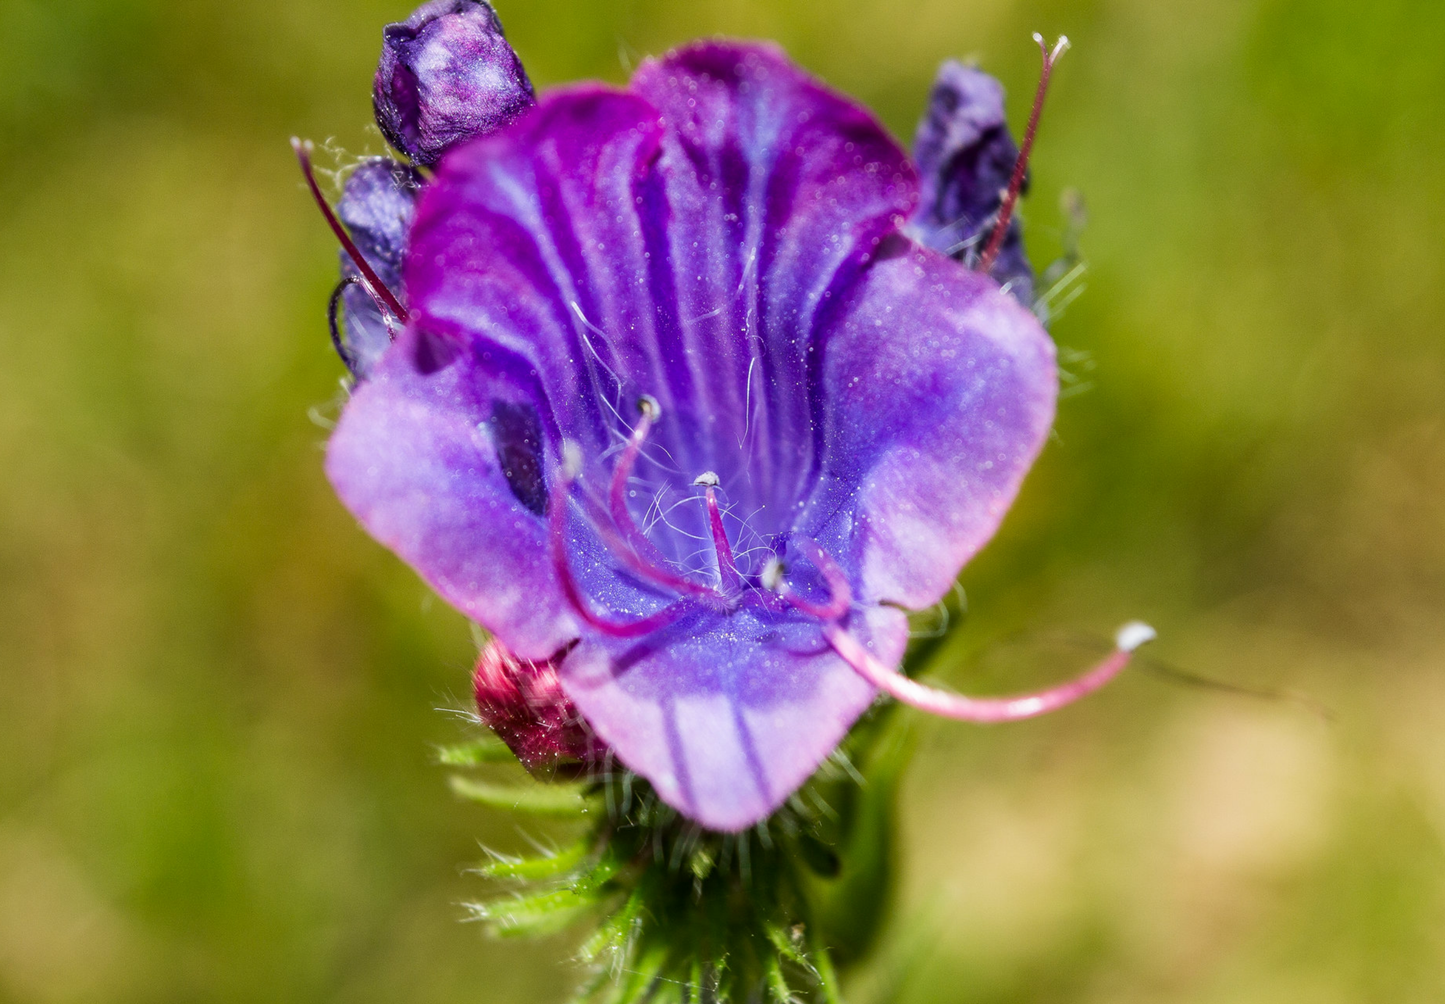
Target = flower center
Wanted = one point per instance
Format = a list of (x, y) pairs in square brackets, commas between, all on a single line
[(771, 591), (641, 557)]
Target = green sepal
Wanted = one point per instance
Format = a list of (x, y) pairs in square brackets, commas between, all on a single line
[(537, 914), (535, 798), (474, 753), (778, 987), (640, 978), (534, 869), (613, 934), (684, 914)]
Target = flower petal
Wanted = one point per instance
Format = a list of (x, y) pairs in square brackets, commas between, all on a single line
[(443, 457), (940, 392), (511, 242), (416, 458), (727, 715)]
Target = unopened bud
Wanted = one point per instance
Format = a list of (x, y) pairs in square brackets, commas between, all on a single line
[(447, 75), (965, 156), (377, 205), (524, 704)]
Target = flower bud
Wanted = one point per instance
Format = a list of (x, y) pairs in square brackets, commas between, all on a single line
[(524, 704), (965, 156), (377, 205), (447, 75)]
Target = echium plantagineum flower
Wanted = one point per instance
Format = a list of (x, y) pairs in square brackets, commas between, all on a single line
[(687, 402)]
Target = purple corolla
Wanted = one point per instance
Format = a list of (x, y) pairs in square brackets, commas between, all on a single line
[(676, 407)]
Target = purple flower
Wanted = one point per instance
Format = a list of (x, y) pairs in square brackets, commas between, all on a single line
[(447, 75), (677, 409)]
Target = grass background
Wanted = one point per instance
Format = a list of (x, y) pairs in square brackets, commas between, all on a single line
[(218, 697)]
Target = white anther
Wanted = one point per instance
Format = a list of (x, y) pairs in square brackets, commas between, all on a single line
[(571, 459), (708, 479), (647, 404), (772, 577), (1133, 635)]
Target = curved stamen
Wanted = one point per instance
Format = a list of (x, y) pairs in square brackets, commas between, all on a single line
[(369, 279), (987, 709), (637, 552), (840, 594), (1016, 182), (727, 566), (557, 539)]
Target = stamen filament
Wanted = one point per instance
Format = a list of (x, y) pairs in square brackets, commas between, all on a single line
[(369, 278), (732, 579), (636, 551), (1016, 182), (840, 594), (987, 710), (557, 538)]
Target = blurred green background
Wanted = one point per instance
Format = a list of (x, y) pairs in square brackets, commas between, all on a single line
[(219, 699)]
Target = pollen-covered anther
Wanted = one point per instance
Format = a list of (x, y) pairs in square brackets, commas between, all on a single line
[(840, 593), (707, 479), (773, 574), (1136, 633), (571, 460)]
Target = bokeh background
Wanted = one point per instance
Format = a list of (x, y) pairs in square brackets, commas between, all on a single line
[(219, 699)]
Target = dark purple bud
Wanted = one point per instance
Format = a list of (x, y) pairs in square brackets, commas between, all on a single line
[(524, 704), (965, 155), (377, 206), (447, 75)]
